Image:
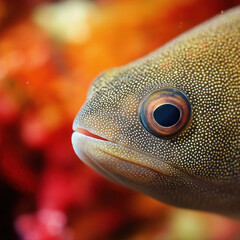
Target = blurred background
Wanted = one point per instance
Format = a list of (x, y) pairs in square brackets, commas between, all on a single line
[(50, 51)]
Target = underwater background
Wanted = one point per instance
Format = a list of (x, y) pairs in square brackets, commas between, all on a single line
[(50, 52)]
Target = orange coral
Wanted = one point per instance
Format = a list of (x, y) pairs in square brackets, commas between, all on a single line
[(43, 82)]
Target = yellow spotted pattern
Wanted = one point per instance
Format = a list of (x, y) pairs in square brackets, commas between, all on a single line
[(204, 64)]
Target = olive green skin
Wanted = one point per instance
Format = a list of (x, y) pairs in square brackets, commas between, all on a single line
[(200, 167)]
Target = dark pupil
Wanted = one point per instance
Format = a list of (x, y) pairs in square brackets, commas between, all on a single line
[(166, 115)]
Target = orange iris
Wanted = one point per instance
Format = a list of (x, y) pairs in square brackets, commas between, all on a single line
[(165, 112)]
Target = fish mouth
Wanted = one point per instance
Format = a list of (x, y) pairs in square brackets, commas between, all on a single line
[(89, 134), (116, 161)]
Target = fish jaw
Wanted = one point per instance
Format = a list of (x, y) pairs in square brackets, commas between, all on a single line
[(128, 167), (134, 169), (108, 157), (145, 174)]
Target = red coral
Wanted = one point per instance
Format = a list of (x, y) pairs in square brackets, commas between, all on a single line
[(42, 86)]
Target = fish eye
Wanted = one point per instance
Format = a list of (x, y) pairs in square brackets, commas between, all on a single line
[(165, 112)]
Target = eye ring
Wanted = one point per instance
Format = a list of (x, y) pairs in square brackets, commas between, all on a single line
[(165, 112)]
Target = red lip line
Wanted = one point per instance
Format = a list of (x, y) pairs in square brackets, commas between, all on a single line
[(87, 133)]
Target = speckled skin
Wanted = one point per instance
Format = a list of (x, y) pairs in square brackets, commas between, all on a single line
[(198, 169)]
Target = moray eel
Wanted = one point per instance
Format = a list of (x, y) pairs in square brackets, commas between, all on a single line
[(167, 125)]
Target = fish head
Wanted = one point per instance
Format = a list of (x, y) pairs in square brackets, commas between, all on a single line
[(188, 157)]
